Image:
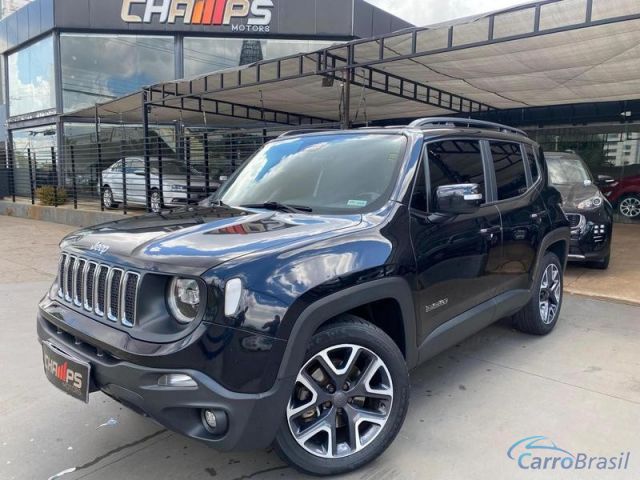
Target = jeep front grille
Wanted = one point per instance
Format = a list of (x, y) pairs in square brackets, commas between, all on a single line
[(106, 291)]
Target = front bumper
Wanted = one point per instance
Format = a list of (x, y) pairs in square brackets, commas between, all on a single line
[(591, 239), (253, 418)]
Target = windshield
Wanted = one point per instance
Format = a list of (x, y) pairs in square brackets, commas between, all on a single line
[(328, 173), (567, 170), (171, 168)]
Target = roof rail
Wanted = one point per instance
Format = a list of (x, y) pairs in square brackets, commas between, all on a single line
[(465, 122), (308, 130)]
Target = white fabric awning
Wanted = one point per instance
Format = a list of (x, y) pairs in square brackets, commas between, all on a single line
[(546, 53)]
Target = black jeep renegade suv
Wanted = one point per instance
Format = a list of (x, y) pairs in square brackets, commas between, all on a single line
[(289, 307)]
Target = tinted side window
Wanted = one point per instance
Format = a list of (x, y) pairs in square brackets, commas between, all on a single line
[(508, 163), (533, 165), (455, 161)]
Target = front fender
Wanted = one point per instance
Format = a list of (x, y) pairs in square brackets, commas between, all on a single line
[(308, 320)]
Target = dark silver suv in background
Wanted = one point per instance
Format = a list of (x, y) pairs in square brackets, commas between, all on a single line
[(588, 210)]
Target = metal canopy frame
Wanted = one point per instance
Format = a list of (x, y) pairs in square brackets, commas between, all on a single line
[(328, 65), (344, 62), (387, 65)]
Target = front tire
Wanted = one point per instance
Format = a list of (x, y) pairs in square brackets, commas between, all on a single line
[(541, 314), (349, 400), (107, 199)]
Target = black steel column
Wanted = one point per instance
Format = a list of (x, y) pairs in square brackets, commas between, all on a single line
[(160, 176), (123, 156), (56, 181), (31, 178), (100, 181), (147, 155), (73, 177), (207, 173), (346, 93)]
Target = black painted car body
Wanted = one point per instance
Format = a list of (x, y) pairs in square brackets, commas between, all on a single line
[(394, 265), (590, 213)]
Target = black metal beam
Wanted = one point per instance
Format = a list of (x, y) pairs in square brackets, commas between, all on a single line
[(408, 90), (238, 110)]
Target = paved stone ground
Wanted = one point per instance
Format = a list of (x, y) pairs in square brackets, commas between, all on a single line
[(579, 386)]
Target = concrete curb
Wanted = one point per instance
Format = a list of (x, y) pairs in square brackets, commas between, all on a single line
[(63, 215)]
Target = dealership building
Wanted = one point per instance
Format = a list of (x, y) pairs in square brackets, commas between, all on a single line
[(84, 77), (63, 55)]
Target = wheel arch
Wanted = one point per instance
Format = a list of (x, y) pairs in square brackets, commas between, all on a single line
[(556, 241), (353, 300)]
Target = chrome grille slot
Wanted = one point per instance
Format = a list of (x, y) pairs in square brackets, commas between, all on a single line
[(61, 279), (68, 275), (113, 294), (101, 289), (130, 297), (88, 286), (78, 281)]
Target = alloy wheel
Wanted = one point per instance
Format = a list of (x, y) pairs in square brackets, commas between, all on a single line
[(156, 205), (107, 198), (550, 293), (341, 401), (630, 207)]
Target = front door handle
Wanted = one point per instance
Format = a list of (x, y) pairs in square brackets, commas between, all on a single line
[(489, 231)]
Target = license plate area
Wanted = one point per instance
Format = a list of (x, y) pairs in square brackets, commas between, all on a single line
[(69, 374)]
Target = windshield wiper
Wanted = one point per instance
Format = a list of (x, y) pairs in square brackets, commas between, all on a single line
[(283, 207)]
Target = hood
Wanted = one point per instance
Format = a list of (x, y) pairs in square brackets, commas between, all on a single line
[(574, 193), (197, 239)]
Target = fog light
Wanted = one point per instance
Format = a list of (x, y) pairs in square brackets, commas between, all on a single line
[(215, 421), (177, 380)]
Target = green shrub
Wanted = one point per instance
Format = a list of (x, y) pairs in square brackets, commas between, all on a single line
[(47, 195)]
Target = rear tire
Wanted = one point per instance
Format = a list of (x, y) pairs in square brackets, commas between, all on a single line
[(541, 314), (156, 201), (629, 206), (356, 406)]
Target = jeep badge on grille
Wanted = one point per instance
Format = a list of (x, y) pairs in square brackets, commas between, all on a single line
[(99, 247)]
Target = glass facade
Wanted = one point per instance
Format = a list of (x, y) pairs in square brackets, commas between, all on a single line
[(98, 68), (206, 55), (32, 78)]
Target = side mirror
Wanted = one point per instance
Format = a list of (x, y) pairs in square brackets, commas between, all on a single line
[(139, 173), (458, 199), (605, 180), (223, 178)]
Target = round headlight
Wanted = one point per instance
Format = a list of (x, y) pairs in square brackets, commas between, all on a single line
[(184, 299)]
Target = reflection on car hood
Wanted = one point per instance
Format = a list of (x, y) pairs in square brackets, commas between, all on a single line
[(203, 237), (574, 193)]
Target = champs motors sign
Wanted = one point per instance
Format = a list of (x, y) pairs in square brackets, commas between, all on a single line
[(240, 15)]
